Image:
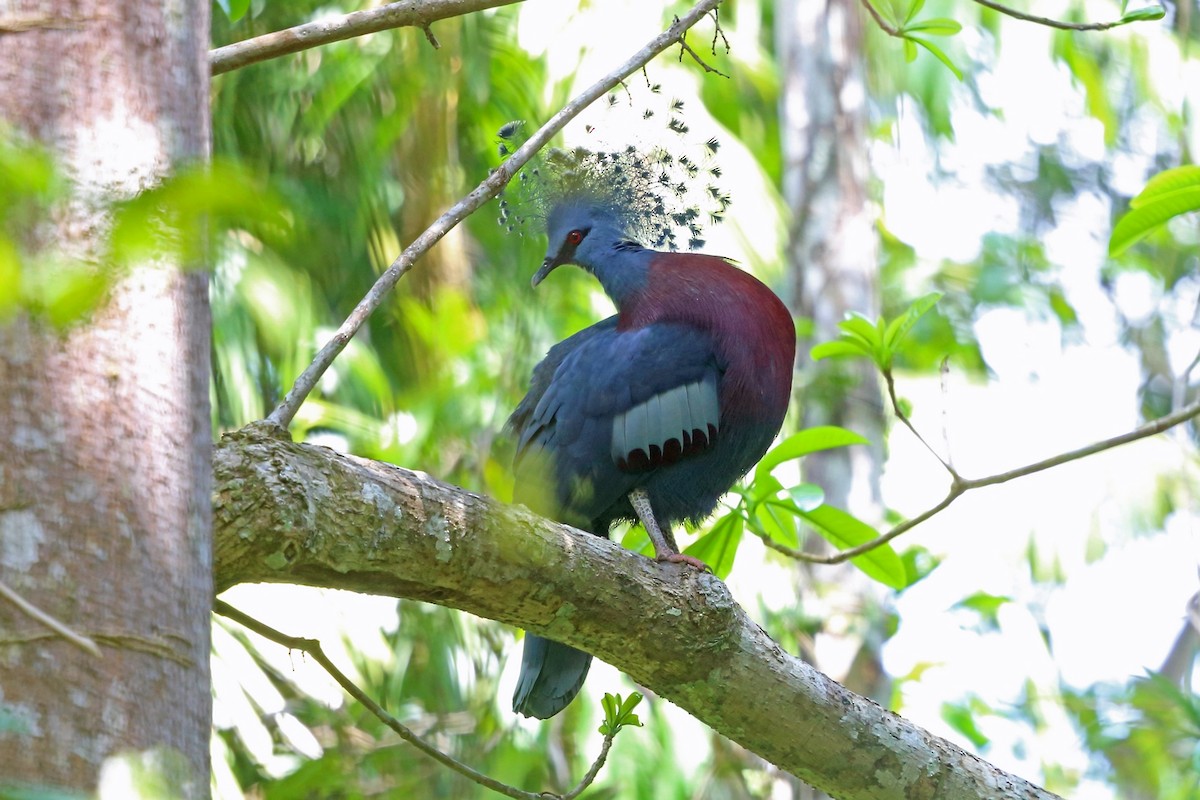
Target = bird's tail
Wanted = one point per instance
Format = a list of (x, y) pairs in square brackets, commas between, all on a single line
[(551, 675)]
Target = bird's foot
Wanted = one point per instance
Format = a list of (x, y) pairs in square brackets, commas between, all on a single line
[(680, 558), (664, 543)]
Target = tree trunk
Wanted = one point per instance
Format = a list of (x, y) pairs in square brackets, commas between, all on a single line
[(105, 438), (832, 251), (832, 262)]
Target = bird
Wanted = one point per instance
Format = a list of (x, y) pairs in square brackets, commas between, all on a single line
[(650, 415)]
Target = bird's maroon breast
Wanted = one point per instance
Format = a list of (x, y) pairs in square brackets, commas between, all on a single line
[(754, 337)]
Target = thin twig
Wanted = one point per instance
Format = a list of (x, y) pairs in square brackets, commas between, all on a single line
[(960, 486), (684, 47), (407, 13), (489, 188), (313, 648), (77, 639), (1052, 23), (590, 776), (433, 40), (892, 30), (900, 415), (718, 32), (879, 20)]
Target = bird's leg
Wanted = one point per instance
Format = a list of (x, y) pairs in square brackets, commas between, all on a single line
[(665, 548)]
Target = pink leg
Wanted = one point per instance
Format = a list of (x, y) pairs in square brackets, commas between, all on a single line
[(665, 548)]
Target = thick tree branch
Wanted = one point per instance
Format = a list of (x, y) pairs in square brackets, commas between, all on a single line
[(295, 513), (407, 13), (485, 191)]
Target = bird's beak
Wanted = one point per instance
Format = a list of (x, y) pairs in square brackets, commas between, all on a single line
[(547, 267)]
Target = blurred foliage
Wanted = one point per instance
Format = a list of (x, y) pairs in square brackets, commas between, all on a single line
[(1145, 736), (36, 276)]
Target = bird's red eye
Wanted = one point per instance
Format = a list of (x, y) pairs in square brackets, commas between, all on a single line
[(574, 237)]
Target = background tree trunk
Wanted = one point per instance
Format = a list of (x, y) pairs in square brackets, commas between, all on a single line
[(832, 251), (832, 263), (105, 439)]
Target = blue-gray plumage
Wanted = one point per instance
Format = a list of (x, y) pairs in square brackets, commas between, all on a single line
[(667, 403)]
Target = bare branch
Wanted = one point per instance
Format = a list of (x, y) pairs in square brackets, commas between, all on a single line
[(314, 649), (295, 513), (900, 415), (429, 37), (960, 486), (1051, 23), (590, 776), (406, 13), (491, 186), (892, 30), (684, 47), (718, 33)]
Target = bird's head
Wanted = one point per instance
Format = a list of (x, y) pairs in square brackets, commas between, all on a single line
[(582, 231)]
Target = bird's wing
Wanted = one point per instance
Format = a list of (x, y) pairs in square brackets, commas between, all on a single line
[(607, 404)]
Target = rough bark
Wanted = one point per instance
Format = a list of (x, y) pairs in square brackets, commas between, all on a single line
[(295, 513), (105, 441)]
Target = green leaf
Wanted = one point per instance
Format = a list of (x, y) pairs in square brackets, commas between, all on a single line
[(1167, 181), (843, 531), (802, 443), (841, 348), (859, 326), (962, 719), (764, 485), (183, 213), (609, 704), (1150, 215), (718, 547), (234, 9), (1144, 14), (987, 606), (65, 292), (618, 713), (913, 10), (10, 279), (777, 521), (910, 50), (36, 792), (901, 325), (807, 496), (935, 26), (858, 333), (938, 54), (919, 563)]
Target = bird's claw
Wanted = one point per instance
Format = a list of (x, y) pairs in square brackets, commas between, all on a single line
[(680, 558)]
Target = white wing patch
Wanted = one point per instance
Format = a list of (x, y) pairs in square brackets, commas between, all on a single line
[(680, 421)]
